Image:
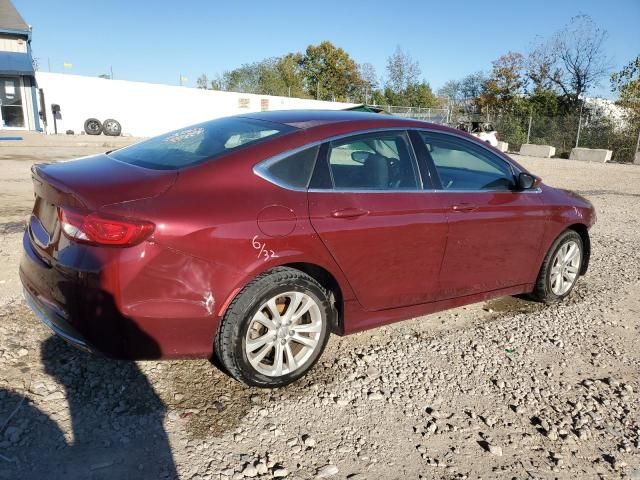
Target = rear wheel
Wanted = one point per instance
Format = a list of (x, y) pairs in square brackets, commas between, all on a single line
[(275, 329), (560, 269)]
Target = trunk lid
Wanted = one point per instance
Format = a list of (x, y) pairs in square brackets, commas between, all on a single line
[(88, 184)]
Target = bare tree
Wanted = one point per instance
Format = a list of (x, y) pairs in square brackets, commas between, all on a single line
[(402, 71), (452, 91), (202, 82), (369, 80), (472, 86), (572, 61)]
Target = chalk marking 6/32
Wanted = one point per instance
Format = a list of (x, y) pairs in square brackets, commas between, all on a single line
[(263, 251)]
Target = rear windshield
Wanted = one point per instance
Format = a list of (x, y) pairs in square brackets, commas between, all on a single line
[(192, 145)]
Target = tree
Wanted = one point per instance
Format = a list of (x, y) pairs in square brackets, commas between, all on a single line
[(402, 71), (403, 86), (626, 83), (572, 61), (369, 79), (506, 82), (472, 86), (329, 72), (290, 69), (218, 83), (263, 77), (452, 91), (202, 82)]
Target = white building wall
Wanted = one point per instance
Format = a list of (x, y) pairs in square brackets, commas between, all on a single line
[(147, 109)]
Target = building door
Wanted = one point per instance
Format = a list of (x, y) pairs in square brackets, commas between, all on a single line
[(11, 103)]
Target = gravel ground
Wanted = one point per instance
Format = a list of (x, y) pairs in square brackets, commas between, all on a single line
[(504, 389)]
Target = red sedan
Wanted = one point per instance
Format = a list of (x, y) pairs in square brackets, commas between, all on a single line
[(253, 237)]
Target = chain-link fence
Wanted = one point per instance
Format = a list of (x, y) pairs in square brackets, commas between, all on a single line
[(568, 131), (433, 115), (599, 124)]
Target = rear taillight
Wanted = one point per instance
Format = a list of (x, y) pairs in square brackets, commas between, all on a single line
[(97, 229), (497, 136)]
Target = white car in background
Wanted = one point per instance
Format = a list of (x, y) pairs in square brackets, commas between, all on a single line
[(483, 130)]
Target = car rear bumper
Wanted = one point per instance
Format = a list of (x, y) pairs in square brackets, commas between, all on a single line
[(53, 318), (80, 296)]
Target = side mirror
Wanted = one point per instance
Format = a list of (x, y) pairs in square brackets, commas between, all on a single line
[(526, 181)]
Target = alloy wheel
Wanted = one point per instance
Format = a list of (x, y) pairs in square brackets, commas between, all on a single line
[(565, 268), (283, 334)]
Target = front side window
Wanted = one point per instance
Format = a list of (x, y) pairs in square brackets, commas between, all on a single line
[(461, 165), (376, 161), (192, 145)]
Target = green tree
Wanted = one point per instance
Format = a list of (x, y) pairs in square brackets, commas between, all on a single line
[(626, 83), (506, 82), (289, 67), (330, 73)]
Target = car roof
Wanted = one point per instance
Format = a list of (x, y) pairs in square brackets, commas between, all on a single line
[(304, 119)]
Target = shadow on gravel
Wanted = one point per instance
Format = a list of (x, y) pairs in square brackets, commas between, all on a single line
[(607, 192), (116, 420), (211, 403), (11, 227)]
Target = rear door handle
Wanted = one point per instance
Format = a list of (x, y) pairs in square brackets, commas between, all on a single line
[(349, 213), (464, 207)]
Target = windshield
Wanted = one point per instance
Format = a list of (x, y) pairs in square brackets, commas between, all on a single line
[(192, 145)]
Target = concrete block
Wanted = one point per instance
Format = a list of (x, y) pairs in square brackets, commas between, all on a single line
[(502, 146), (544, 151), (637, 159), (599, 155)]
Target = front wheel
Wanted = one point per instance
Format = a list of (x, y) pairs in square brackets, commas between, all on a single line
[(560, 269), (275, 329)]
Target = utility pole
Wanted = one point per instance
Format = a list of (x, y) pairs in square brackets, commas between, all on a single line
[(529, 129), (111, 70), (318, 90)]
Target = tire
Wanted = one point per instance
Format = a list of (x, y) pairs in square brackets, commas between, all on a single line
[(546, 289), (240, 325), (111, 127), (92, 126)]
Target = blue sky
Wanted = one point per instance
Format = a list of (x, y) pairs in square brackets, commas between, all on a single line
[(156, 41)]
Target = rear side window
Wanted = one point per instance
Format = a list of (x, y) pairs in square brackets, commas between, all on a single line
[(461, 165), (293, 171), (376, 161), (195, 144)]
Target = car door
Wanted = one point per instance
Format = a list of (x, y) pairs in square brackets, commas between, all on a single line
[(495, 231), (367, 205)]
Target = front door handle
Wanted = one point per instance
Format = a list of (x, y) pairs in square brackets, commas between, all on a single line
[(464, 207), (349, 213)]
